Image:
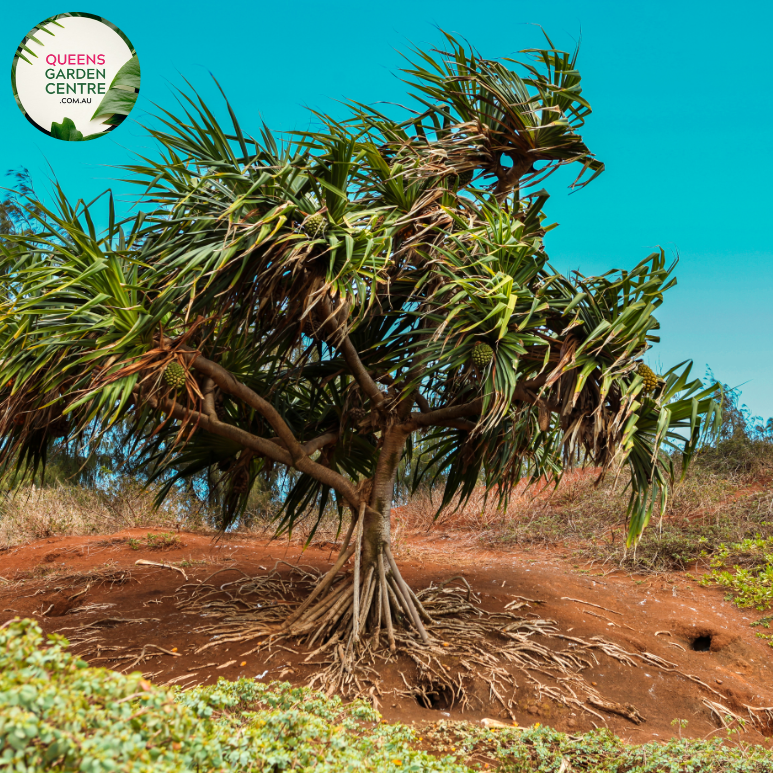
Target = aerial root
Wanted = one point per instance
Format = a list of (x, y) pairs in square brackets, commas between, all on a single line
[(461, 647), (327, 580), (356, 609)]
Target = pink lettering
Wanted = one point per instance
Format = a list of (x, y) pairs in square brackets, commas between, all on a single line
[(75, 59)]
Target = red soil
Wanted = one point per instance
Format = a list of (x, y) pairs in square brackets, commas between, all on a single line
[(630, 612)]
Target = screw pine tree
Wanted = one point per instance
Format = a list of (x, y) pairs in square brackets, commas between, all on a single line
[(406, 271)]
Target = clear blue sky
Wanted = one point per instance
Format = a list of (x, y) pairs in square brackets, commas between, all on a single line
[(682, 118)]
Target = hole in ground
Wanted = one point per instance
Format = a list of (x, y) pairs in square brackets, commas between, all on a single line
[(439, 697), (701, 644)]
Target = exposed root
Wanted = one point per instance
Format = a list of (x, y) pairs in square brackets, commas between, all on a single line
[(107, 622), (90, 642), (351, 608), (455, 646), (143, 562), (108, 576), (94, 579), (89, 609), (465, 646), (725, 716), (351, 625), (624, 710), (144, 654), (761, 715)]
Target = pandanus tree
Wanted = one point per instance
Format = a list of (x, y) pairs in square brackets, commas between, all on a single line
[(322, 302)]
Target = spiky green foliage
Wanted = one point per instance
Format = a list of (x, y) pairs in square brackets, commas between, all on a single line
[(14, 218), (220, 268)]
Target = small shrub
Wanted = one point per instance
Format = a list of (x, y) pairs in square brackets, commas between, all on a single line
[(58, 714), (545, 750), (162, 541)]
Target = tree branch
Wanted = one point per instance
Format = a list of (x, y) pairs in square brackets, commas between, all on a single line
[(433, 418), (464, 424), (442, 417), (260, 445), (208, 391), (228, 383), (310, 446), (352, 359), (421, 401), (266, 448), (359, 372)]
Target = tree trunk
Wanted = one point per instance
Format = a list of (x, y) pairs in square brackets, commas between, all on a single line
[(375, 597), (376, 530)]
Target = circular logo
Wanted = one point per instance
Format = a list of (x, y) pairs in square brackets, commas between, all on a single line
[(75, 76)]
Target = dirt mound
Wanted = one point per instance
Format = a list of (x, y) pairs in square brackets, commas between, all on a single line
[(686, 653)]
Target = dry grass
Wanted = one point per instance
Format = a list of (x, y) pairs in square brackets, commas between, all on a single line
[(526, 506), (30, 514), (715, 504), (724, 499)]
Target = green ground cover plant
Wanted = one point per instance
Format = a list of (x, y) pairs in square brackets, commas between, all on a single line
[(750, 585), (59, 714), (152, 541)]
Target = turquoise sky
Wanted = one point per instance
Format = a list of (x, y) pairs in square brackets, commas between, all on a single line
[(682, 118)]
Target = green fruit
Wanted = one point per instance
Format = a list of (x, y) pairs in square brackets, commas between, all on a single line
[(175, 375), (482, 354), (650, 379), (315, 225)]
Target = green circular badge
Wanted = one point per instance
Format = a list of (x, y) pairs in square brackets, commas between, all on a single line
[(75, 76)]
